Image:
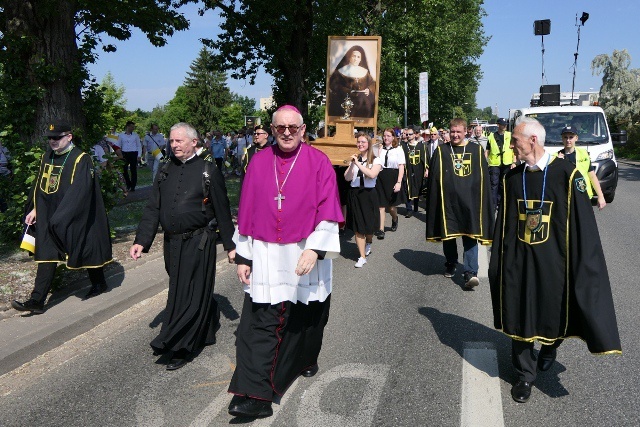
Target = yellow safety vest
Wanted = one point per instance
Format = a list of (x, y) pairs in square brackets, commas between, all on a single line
[(583, 163), (494, 152)]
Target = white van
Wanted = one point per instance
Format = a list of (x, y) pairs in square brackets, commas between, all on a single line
[(593, 135)]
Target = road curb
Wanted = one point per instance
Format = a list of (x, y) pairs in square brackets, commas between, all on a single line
[(26, 337)]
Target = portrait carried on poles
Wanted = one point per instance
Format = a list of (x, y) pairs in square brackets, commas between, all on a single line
[(353, 79)]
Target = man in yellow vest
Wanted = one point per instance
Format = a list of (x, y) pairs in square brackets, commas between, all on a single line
[(500, 158), (580, 157)]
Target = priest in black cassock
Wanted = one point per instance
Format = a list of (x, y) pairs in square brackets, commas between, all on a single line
[(72, 225), (190, 201), (548, 275), (459, 202)]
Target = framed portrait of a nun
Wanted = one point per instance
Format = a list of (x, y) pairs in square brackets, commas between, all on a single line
[(353, 79)]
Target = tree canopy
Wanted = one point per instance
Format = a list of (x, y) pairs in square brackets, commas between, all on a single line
[(46, 44), (441, 37), (620, 90)]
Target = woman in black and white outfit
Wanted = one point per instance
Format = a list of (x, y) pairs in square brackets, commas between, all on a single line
[(363, 215), (389, 182)]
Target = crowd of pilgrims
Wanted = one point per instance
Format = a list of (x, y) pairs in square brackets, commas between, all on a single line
[(387, 171)]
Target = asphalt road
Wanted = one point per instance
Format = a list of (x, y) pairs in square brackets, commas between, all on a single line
[(404, 347)]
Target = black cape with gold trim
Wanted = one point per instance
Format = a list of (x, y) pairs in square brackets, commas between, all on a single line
[(551, 283), (416, 163), (72, 223), (459, 198)]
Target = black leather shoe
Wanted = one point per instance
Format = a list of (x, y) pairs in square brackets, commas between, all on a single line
[(394, 225), (251, 408), (29, 305), (546, 359), (379, 234), (177, 363), (409, 214), (309, 372), (96, 290), (521, 391)]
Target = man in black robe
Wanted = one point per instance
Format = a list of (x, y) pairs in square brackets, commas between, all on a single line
[(416, 162), (189, 200), (548, 275), (72, 222), (459, 202)]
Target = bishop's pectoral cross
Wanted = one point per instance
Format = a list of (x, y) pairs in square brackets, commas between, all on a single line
[(279, 198)]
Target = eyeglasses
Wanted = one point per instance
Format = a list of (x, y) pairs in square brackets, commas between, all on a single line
[(260, 133), (292, 128), (409, 134), (57, 138)]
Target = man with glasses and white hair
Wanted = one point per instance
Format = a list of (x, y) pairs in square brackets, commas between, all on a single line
[(548, 274), (72, 224), (287, 236)]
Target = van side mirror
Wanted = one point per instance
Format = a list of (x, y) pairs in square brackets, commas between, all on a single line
[(619, 138)]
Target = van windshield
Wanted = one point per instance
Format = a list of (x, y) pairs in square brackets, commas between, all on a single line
[(591, 126)]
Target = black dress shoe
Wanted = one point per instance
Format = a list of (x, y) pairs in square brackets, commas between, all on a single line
[(309, 372), (546, 359), (379, 234), (409, 214), (96, 290), (251, 408), (394, 225), (29, 305), (521, 391), (177, 363)]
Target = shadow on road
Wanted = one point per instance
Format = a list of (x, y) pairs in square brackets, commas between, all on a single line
[(427, 263), (454, 331)]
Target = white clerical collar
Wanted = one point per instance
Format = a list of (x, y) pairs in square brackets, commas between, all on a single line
[(542, 162), (192, 156)]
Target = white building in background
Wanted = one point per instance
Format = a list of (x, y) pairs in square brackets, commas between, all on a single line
[(266, 103)]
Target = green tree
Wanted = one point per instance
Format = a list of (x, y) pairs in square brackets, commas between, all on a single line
[(207, 92), (442, 37), (46, 44), (114, 102), (620, 90), (388, 119), (176, 110), (247, 104)]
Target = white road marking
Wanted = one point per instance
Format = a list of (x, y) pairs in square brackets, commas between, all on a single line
[(481, 396), (311, 415)]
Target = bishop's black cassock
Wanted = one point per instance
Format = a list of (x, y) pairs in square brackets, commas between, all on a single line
[(192, 314), (548, 274)]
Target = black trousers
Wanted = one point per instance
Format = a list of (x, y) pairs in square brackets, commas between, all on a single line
[(46, 273), (218, 161), (495, 176), (130, 162), (524, 360), (274, 344)]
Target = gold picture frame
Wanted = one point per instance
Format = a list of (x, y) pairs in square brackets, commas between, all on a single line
[(353, 80)]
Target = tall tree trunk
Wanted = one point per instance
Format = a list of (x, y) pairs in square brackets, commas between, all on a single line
[(48, 60)]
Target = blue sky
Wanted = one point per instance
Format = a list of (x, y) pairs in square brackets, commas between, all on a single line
[(511, 62)]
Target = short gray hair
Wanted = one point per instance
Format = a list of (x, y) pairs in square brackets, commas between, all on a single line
[(191, 132), (532, 127)]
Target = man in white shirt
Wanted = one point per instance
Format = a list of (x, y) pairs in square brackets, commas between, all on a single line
[(154, 145), (129, 143)]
